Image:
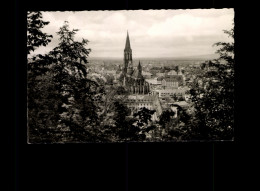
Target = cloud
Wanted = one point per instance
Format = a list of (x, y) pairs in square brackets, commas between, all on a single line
[(185, 24), (152, 33)]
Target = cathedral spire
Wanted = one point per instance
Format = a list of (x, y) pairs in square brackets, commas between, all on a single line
[(127, 55), (139, 70), (127, 44), (139, 66)]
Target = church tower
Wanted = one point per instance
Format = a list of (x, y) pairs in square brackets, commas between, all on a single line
[(139, 71), (139, 68), (127, 55)]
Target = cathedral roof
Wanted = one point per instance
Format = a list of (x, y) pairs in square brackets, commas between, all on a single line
[(121, 76), (127, 44), (130, 71)]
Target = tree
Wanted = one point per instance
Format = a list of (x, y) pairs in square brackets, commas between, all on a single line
[(166, 120), (79, 95), (122, 125), (212, 94), (143, 119), (177, 69), (66, 106), (144, 116), (178, 129), (128, 128), (175, 97), (35, 37), (107, 104), (41, 110), (174, 124)]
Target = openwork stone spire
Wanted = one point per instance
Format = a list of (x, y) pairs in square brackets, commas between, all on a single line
[(127, 43)]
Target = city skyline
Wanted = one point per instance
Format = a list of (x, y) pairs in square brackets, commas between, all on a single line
[(153, 33)]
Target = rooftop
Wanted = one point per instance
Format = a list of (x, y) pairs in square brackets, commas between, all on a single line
[(171, 90), (181, 103), (142, 97), (153, 81), (172, 72), (173, 78), (146, 73)]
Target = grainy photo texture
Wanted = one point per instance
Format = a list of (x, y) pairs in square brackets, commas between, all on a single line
[(130, 76)]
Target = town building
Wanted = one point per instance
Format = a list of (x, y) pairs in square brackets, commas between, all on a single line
[(173, 81), (151, 102), (170, 92), (172, 72), (147, 75), (160, 74), (153, 82)]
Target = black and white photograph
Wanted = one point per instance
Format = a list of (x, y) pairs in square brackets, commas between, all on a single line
[(130, 76)]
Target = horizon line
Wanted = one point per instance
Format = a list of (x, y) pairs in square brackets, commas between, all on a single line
[(136, 58)]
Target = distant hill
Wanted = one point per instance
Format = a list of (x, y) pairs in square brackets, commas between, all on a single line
[(197, 57), (201, 57), (188, 58), (105, 58)]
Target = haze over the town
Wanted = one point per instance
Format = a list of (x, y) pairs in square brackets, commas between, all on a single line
[(153, 33)]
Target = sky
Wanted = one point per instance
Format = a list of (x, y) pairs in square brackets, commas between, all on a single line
[(153, 33)]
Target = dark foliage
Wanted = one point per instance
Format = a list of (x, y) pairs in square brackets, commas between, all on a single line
[(35, 37), (212, 93)]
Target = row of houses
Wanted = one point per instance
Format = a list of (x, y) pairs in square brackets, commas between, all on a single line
[(168, 82), (159, 73)]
